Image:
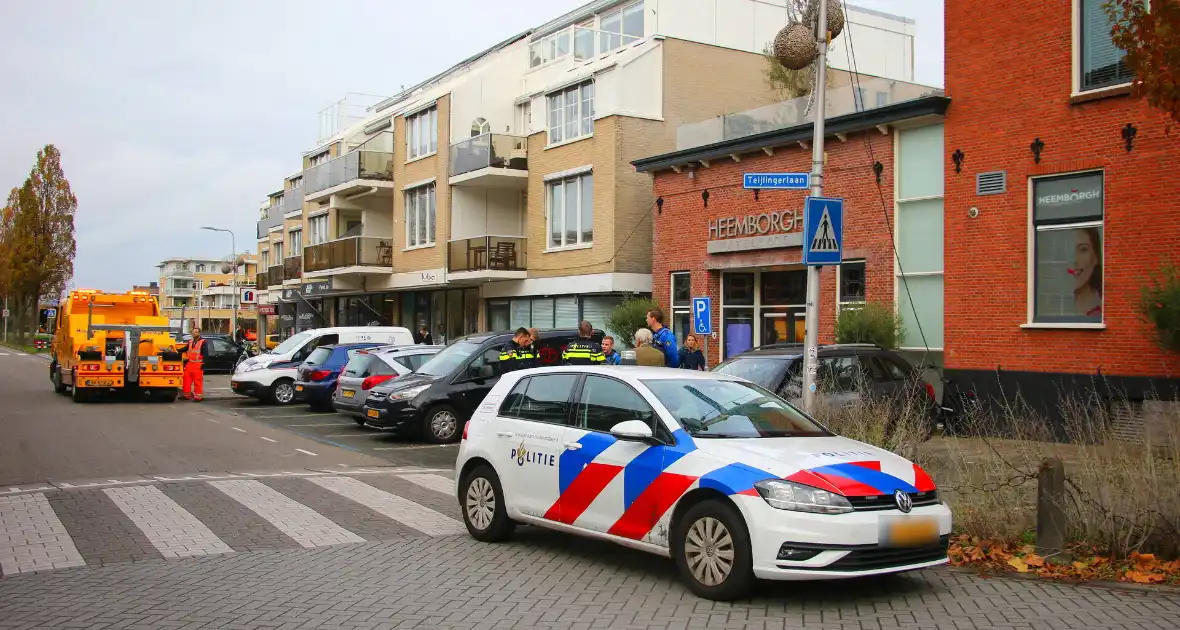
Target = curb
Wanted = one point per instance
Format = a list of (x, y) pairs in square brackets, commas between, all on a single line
[(1166, 589)]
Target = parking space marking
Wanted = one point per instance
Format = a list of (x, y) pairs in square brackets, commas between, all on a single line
[(392, 506), (33, 537), (171, 529), (406, 447), (437, 483), (325, 424), (306, 452), (213, 420), (303, 524), (301, 415), (270, 440), (239, 430), (347, 435)]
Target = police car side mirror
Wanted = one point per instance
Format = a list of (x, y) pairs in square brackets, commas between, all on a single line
[(633, 431)]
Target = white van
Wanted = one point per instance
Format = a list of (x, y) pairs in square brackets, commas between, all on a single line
[(271, 375)]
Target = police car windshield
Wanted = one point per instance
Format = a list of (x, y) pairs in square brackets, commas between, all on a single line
[(731, 409), (448, 359)]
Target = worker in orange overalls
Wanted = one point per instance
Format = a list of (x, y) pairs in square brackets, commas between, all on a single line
[(194, 353)]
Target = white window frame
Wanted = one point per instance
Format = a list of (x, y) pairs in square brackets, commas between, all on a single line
[(1077, 52), (557, 107), (677, 309), (901, 298), (565, 183), (757, 308), (1032, 253), (421, 206), (277, 247), (547, 49), (318, 226), (419, 146), (296, 237), (842, 304), (319, 158), (265, 258)]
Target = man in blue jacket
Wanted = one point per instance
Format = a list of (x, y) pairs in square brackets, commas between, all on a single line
[(662, 338)]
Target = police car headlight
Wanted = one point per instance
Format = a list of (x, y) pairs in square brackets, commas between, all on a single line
[(406, 394), (786, 495)]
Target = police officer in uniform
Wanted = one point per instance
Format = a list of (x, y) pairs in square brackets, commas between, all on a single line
[(583, 350), (518, 354)]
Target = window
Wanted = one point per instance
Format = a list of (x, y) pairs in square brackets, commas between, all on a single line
[(265, 259), (620, 27), (319, 229), (851, 284), (541, 399), (277, 248), (919, 265), (320, 158), (420, 216), (296, 183), (548, 48), (606, 402), (200, 267), (413, 361), (571, 211), (762, 308), (681, 305), (1100, 63), (1067, 249), (882, 99), (479, 127), (858, 99), (296, 238), (571, 113), (524, 118), (422, 133)]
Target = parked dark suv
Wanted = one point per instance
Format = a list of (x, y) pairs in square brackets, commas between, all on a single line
[(440, 396), (844, 371)]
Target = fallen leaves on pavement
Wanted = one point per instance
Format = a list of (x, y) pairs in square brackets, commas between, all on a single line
[(1088, 563)]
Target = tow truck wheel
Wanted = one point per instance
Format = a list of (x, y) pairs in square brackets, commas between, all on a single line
[(78, 394), (58, 386)]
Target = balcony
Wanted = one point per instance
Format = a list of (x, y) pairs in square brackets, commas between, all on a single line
[(293, 268), (181, 291), (262, 280), (178, 273), (369, 165), (356, 254), (490, 161), (291, 201), (274, 276), (487, 258)]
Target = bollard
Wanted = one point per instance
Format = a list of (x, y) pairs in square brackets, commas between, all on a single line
[(1051, 510)]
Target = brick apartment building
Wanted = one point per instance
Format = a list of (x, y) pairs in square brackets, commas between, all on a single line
[(885, 147), (1064, 204)]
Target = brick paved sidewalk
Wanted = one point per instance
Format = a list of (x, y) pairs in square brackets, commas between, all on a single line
[(540, 580)]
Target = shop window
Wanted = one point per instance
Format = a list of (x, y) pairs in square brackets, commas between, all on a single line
[(499, 316), (597, 309), (738, 327), (784, 287), (738, 289), (1067, 249), (1100, 64)]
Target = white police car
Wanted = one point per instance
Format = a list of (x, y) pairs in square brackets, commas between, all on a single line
[(721, 475)]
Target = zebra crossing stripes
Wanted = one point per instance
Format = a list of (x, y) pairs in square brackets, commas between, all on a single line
[(392, 506), (303, 524), (32, 537), (438, 483), (170, 528)]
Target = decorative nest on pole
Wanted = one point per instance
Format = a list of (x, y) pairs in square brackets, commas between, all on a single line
[(795, 46), (835, 15)]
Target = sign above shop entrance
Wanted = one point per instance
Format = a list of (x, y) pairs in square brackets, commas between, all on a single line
[(766, 230), (315, 288)]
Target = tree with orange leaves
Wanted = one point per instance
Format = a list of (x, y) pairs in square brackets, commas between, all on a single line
[(1151, 40)]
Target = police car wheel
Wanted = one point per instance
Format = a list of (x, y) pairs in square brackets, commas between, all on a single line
[(712, 551), (442, 425), (482, 500)]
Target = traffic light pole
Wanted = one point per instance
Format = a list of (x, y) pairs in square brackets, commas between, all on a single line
[(811, 321)]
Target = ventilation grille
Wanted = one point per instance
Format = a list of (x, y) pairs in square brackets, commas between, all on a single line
[(993, 183)]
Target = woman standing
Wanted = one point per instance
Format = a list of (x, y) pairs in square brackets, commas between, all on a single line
[(691, 357)]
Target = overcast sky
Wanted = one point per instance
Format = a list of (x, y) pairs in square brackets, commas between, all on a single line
[(174, 115)]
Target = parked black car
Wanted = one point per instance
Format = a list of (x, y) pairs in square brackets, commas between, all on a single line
[(440, 396), (844, 372), (223, 353)]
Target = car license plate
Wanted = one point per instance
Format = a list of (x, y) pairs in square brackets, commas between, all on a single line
[(910, 531), (348, 393), (298, 388), (373, 413)]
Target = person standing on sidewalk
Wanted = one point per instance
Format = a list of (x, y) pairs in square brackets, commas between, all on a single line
[(609, 354), (645, 354), (194, 353), (583, 350), (662, 339), (691, 357)]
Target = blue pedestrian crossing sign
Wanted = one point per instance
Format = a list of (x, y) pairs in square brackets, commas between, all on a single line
[(50, 313), (823, 231), (702, 315)]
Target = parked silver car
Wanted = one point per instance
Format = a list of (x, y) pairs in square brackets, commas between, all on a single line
[(369, 368)]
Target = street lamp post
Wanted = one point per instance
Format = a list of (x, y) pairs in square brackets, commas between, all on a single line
[(233, 262)]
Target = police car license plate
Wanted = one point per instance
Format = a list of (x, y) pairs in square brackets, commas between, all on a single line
[(298, 388), (373, 413), (908, 531), (348, 393)]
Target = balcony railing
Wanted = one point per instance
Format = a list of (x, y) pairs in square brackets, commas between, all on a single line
[(181, 291), (262, 280), (356, 251), (490, 150), (291, 201), (274, 276), (178, 273), (487, 253), (371, 161), (293, 268)]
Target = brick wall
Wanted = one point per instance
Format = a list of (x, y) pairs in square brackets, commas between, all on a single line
[(436, 166), (682, 228), (1009, 75)]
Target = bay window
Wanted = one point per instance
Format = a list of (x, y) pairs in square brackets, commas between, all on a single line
[(571, 113), (570, 213), (420, 216)]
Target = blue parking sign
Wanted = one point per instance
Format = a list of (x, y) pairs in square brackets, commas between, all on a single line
[(702, 315)]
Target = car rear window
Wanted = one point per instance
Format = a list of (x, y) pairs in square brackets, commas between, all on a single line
[(319, 356), (358, 364), (766, 372)]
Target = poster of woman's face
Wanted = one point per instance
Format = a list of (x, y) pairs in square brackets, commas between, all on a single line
[(1087, 272), (1069, 275)]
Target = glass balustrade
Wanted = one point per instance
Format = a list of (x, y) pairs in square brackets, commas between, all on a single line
[(487, 253), (490, 150), (356, 251)]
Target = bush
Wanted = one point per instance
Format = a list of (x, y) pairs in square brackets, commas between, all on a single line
[(629, 317), (872, 323), (1159, 305)]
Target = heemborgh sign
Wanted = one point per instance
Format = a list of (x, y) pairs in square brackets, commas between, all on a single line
[(780, 222)]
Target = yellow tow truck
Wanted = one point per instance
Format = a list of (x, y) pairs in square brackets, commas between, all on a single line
[(105, 343)]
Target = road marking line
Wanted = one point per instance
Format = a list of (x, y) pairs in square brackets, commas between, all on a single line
[(269, 440), (171, 529), (305, 452), (213, 420), (409, 447), (3, 354), (34, 538), (437, 483), (301, 415), (346, 435), (239, 430), (303, 524), (392, 506), (325, 424)]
